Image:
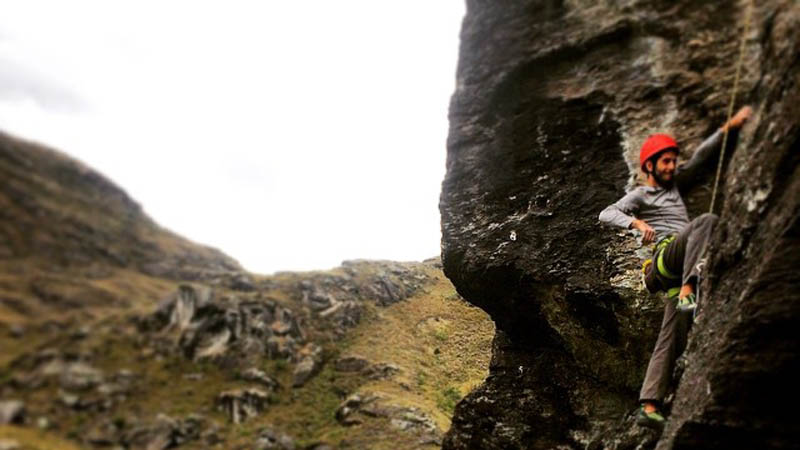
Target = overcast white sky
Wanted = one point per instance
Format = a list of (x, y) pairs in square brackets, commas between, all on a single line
[(290, 135)]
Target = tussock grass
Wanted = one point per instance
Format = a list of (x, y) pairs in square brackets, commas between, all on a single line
[(440, 344), (35, 439)]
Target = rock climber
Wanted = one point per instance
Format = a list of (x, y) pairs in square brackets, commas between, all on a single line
[(656, 209)]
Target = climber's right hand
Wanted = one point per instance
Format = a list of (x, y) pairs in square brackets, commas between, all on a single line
[(739, 119), (648, 233)]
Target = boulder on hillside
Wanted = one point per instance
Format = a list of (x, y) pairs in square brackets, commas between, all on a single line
[(351, 363), (309, 364), (233, 332), (242, 404), (158, 433), (269, 439), (79, 376), (12, 411), (256, 375), (346, 413)]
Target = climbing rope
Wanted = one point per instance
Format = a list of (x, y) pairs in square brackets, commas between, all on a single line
[(747, 17)]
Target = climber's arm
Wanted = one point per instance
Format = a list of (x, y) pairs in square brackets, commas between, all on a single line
[(687, 174), (622, 214)]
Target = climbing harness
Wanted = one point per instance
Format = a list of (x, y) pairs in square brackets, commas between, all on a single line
[(747, 18), (662, 272)]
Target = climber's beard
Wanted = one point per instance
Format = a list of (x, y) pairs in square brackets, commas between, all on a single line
[(664, 178)]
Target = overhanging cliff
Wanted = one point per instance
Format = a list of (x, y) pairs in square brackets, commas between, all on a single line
[(552, 102)]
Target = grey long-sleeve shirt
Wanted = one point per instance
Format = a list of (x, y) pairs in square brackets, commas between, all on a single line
[(662, 209)]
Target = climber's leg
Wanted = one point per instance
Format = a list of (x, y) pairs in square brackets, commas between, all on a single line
[(683, 255), (696, 243), (671, 343)]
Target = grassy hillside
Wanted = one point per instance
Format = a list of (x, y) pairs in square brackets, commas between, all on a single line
[(69, 236), (435, 344), (115, 332)]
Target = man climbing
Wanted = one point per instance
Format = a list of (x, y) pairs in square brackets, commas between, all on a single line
[(657, 210)]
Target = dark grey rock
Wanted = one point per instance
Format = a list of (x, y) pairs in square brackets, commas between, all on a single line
[(81, 332), (281, 328), (157, 434), (304, 370), (103, 434), (319, 299), (79, 376), (310, 363), (280, 347), (552, 103), (346, 413), (382, 371), (242, 282), (344, 315), (386, 291), (320, 446), (242, 404), (12, 411), (233, 332), (69, 400), (351, 363), (259, 376), (125, 376), (412, 419), (16, 331), (269, 439), (161, 432)]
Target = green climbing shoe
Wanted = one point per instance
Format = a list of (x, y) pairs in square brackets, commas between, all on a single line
[(650, 420), (687, 304)]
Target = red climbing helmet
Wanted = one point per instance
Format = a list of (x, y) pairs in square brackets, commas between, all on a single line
[(654, 145)]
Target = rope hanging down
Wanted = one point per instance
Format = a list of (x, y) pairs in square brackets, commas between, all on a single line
[(747, 17)]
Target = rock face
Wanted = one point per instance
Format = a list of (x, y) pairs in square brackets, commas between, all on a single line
[(553, 100)]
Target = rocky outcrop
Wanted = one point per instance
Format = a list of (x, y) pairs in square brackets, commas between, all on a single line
[(259, 376), (552, 102), (11, 411), (159, 432), (309, 363), (240, 330), (411, 420), (350, 363), (232, 331), (269, 439), (242, 404), (339, 299)]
